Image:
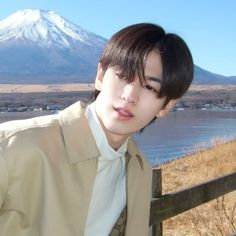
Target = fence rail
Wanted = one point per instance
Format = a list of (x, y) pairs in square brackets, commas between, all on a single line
[(168, 205)]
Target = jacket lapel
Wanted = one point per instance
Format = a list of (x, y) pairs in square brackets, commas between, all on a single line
[(138, 192), (77, 134), (82, 154)]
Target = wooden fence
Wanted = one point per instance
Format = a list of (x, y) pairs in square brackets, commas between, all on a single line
[(168, 205)]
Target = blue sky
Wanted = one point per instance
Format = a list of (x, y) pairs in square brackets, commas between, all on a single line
[(208, 27)]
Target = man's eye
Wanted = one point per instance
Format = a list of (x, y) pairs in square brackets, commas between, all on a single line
[(120, 75), (150, 88)]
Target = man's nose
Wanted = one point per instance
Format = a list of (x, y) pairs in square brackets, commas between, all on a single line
[(131, 92)]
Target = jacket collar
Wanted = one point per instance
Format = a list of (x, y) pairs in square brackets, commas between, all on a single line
[(79, 141)]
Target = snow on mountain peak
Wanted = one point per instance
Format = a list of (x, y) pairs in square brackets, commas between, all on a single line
[(21, 16), (45, 28)]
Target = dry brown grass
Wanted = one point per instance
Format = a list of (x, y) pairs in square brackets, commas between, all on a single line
[(212, 87), (32, 88), (217, 217)]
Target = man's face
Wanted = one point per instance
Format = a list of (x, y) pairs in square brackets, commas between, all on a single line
[(124, 108)]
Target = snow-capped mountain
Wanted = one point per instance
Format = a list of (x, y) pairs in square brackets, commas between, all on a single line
[(41, 43), (45, 28), (39, 46)]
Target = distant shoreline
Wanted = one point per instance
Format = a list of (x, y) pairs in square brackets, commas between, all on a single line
[(36, 96), (191, 154), (67, 87)]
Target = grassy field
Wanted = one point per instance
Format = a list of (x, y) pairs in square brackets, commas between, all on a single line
[(217, 217)]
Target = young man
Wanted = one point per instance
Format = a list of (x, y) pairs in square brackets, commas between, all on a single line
[(74, 173)]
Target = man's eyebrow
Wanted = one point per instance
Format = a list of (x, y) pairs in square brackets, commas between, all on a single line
[(158, 80)]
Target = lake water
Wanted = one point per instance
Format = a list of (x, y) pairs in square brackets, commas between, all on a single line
[(179, 133), (183, 132)]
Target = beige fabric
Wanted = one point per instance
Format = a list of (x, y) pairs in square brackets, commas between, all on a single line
[(47, 170)]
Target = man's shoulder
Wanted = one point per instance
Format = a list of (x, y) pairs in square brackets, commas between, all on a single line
[(17, 127), (41, 126), (73, 112)]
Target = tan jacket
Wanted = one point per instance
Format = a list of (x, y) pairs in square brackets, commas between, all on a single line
[(47, 170)]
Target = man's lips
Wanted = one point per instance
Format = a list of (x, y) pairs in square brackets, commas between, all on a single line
[(123, 113)]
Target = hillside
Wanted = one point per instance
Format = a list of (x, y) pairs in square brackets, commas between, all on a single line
[(202, 76)]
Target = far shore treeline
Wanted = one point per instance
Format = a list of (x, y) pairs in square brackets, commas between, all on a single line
[(198, 97)]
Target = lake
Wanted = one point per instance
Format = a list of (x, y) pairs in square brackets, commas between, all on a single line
[(179, 133), (185, 131)]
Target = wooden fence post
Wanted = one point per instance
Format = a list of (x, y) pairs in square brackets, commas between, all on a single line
[(156, 193), (173, 203)]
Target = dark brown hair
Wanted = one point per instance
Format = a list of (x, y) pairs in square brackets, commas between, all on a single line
[(128, 49)]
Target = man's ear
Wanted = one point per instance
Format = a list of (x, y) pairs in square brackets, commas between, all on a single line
[(166, 109), (98, 79)]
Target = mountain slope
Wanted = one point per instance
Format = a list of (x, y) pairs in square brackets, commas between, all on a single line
[(202, 76), (43, 44)]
